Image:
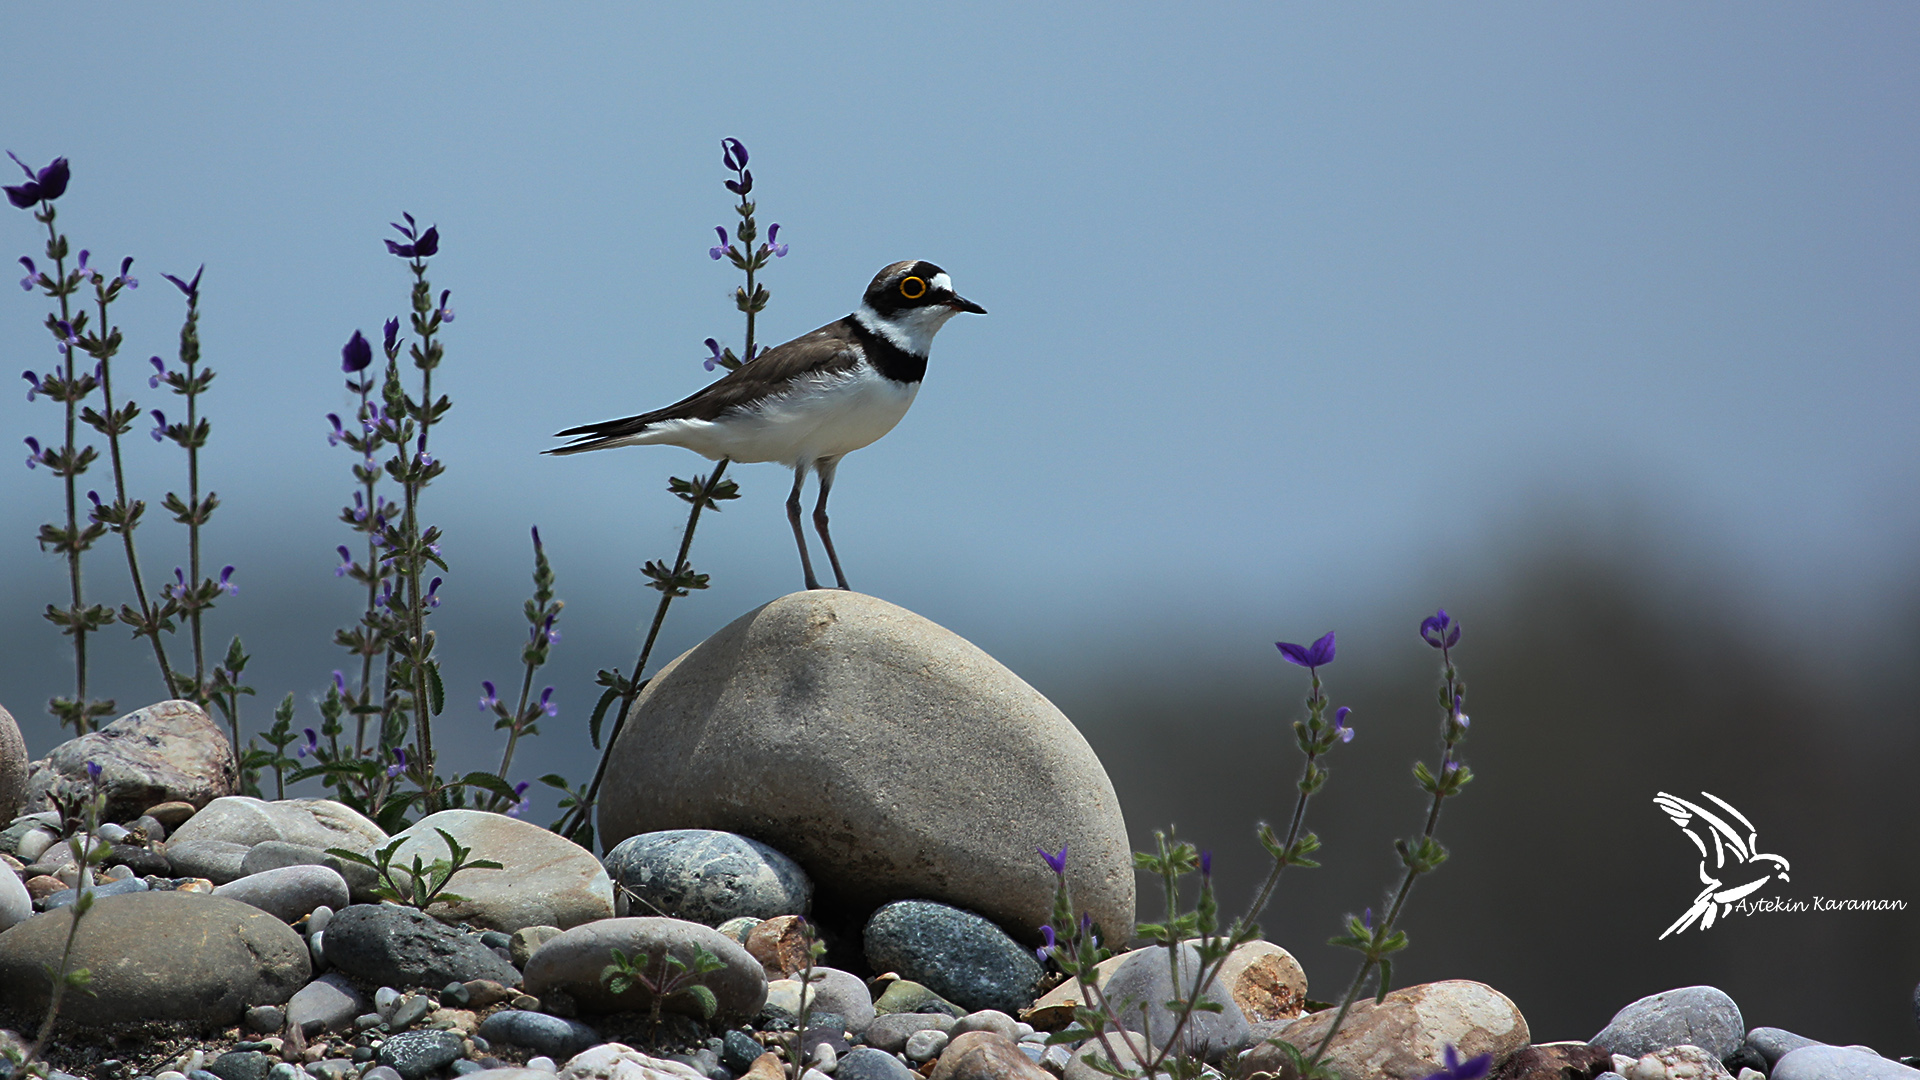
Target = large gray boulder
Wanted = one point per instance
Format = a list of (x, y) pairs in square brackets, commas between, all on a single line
[(157, 956), (13, 767), (169, 752), (888, 756)]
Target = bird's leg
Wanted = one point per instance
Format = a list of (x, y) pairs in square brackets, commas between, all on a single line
[(793, 518), (825, 467)]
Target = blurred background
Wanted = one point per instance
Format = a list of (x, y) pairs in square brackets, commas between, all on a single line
[(1595, 324)]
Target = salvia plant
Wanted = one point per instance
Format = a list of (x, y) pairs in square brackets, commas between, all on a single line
[(80, 812), (419, 884), (665, 978), (700, 493), (1073, 942)]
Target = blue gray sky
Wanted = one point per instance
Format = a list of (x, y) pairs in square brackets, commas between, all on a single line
[(1298, 315)]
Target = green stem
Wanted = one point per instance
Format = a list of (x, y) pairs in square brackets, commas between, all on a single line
[(148, 613)]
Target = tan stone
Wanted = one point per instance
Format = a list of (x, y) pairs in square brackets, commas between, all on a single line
[(1405, 1036), (985, 1055), (888, 756), (165, 752), (780, 944), (767, 1066), (546, 880), (484, 992), (1265, 981), (171, 815), (13, 767)]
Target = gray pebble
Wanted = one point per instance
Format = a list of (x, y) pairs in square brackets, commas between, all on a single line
[(1701, 1016), (543, 1063), (926, 1045), (241, 1065), (410, 1010), (1772, 1043), (1839, 1063), (380, 1072), (552, 1035), (956, 954), (67, 897), (890, 1031), (286, 1071), (385, 1000), (317, 922), (866, 1063), (266, 1019), (414, 1054), (738, 1050)]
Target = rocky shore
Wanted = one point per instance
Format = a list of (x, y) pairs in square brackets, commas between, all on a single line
[(225, 941)]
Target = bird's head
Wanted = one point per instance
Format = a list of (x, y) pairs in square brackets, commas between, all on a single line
[(909, 301)]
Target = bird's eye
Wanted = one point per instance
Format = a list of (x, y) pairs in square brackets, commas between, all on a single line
[(913, 288)]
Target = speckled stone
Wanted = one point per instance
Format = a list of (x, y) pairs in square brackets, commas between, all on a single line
[(956, 954)]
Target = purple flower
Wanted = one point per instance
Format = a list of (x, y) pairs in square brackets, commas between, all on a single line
[(346, 561), (432, 598), (399, 763), (545, 630), (445, 312), (177, 590), (1470, 1069), (93, 770), (1058, 863), (519, 793), (33, 384), (536, 538), (1366, 917), (46, 185), (356, 354), (1046, 950), (130, 282), (312, 745), (159, 425), (1086, 929), (1340, 727), (491, 699), (191, 288), (33, 459), (94, 497), (719, 251), (743, 185), (1439, 631), (709, 363), (226, 582), (1312, 656), (421, 245), (338, 434), (392, 331), (339, 683), (1458, 716), (85, 272), (26, 283), (779, 250), (67, 340), (1206, 864), (546, 702), (159, 372), (733, 152)]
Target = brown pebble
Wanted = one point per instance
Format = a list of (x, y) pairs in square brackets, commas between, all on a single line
[(526, 1003), (985, 1055), (484, 992), (171, 814), (780, 945), (41, 886), (765, 1067)]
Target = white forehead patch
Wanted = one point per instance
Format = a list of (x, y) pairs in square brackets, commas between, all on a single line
[(941, 281)]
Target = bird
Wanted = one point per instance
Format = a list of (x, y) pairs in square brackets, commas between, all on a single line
[(1730, 853), (811, 401)]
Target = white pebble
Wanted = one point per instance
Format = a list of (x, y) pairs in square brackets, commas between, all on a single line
[(824, 1059), (1025, 1029), (317, 922), (813, 1074), (170, 1074), (384, 1001), (33, 844), (542, 1063), (926, 1045), (1647, 1068)]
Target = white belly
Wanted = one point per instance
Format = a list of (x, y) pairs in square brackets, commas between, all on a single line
[(823, 416)]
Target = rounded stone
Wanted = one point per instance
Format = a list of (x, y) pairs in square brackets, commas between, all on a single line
[(1405, 1036), (573, 962), (158, 956), (554, 1036), (546, 880), (891, 1031), (219, 861), (276, 854), (315, 823), (1837, 1063), (956, 954), (983, 1055), (16, 904), (1143, 979), (867, 1063), (709, 877), (13, 767), (926, 1045), (796, 725), (328, 1003), (1701, 1016), (170, 751), (414, 1054), (843, 994), (398, 946), (290, 893)]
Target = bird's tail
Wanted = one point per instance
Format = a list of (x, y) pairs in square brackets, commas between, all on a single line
[(622, 432)]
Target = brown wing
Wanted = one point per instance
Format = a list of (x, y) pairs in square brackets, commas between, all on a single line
[(827, 349)]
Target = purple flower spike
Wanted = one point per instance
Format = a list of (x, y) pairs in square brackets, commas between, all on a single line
[(1367, 918), (399, 763), (339, 683), (26, 283), (1340, 724), (1455, 1069), (546, 702), (536, 538), (743, 185), (159, 372), (226, 582), (126, 264), (346, 561), (779, 250), (159, 425), (1206, 864), (33, 459), (1439, 631), (46, 185), (491, 698), (1057, 863), (392, 332), (356, 354), (713, 361), (1319, 654), (733, 152), (1046, 950), (191, 288), (421, 245), (719, 251)]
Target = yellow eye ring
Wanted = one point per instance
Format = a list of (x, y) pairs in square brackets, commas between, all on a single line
[(913, 288)]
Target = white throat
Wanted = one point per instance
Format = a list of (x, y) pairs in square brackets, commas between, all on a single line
[(912, 329)]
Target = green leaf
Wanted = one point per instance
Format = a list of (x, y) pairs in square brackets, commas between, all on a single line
[(600, 711), (489, 782), (436, 692), (704, 1000), (1386, 977)]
